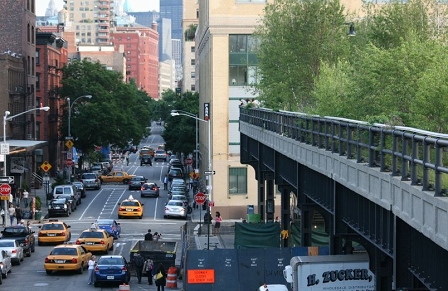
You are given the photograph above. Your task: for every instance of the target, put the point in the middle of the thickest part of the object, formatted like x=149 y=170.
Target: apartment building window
x=242 y=60
x=129 y=52
x=193 y=75
x=28 y=33
x=129 y=38
x=128 y=45
x=37 y=57
x=32 y=66
x=129 y=59
x=193 y=88
x=193 y=62
x=37 y=81
x=238 y=180
x=119 y=38
x=193 y=49
x=29 y=65
x=32 y=34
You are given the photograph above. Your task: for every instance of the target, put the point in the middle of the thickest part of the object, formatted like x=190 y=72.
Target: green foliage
x=116 y=113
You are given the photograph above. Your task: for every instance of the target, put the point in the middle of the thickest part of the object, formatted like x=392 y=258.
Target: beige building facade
x=223 y=39
x=190 y=18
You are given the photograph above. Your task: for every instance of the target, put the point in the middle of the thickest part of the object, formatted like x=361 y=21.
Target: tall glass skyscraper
x=171 y=9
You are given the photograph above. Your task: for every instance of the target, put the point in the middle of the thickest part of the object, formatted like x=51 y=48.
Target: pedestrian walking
x=2 y=213
x=26 y=196
x=18 y=196
x=91 y=269
x=160 y=277
x=165 y=182
x=148 y=267
x=127 y=160
x=18 y=214
x=12 y=213
x=139 y=262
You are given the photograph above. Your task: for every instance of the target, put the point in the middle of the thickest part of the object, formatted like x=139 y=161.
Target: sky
x=137 y=5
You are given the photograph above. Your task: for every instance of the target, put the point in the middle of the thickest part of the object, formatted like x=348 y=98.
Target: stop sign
x=188 y=161
x=200 y=198
x=5 y=189
x=69 y=162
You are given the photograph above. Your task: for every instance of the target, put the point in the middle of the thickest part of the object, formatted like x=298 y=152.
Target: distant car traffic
x=90 y=181
x=59 y=207
x=146 y=160
x=117 y=177
x=81 y=189
x=111 y=226
x=149 y=190
x=113 y=269
x=160 y=155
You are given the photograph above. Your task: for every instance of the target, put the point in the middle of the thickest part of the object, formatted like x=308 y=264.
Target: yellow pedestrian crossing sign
x=69 y=143
x=45 y=166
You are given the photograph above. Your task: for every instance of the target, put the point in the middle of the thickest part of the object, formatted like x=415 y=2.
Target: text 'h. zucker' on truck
x=334 y=272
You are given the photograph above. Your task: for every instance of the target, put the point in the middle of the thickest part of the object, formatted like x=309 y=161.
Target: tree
x=295 y=38
x=116 y=113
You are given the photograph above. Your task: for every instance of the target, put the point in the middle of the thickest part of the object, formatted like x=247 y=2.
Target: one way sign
x=7 y=179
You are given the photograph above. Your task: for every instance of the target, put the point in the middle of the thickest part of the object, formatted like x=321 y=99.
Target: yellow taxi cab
x=67 y=257
x=96 y=240
x=53 y=231
x=130 y=208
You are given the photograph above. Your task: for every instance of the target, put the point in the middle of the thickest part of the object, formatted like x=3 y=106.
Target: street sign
x=69 y=162
x=4 y=149
x=188 y=161
x=5 y=189
x=209 y=172
x=7 y=179
x=200 y=198
x=211 y=203
x=68 y=137
x=45 y=166
x=69 y=143
x=194 y=175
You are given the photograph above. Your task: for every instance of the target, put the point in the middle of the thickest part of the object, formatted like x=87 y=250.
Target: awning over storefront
x=18 y=145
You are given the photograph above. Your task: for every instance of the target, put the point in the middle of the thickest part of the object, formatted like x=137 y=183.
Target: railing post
x=438 y=174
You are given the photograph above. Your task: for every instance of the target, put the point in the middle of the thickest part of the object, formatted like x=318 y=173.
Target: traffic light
x=178 y=92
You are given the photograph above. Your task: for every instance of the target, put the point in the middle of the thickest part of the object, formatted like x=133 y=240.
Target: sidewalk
x=225 y=240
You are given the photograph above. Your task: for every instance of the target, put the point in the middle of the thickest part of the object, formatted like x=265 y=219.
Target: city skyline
x=136 y=5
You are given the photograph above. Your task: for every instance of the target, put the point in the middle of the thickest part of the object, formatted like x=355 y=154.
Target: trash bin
x=38 y=215
x=250 y=209
x=72 y=178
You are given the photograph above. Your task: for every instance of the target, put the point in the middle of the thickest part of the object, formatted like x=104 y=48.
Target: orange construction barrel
x=124 y=287
x=171 y=278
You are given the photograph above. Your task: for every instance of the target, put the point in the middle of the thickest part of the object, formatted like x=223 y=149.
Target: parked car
x=175 y=208
x=111 y=269
x=182 y=198
x=80 y=187
x=91 y=181
x=14 y=250
x=71 y=200
x=23 y=235
x=175 y=173
x=111 y=226
x=67 y=257
x=5 y=263
x=59 y=207
x=149 y=189
x=67 y=189
x=136 y=182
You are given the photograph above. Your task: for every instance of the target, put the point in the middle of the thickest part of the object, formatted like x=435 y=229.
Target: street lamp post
x=70 y=104
x=179 y=112
x=6 y=117
x=195 y=116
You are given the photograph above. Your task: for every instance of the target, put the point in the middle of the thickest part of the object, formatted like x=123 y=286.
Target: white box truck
x=327 y=273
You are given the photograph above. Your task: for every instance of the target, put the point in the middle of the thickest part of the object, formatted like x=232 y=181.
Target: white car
x=14 y=250
x=182 y=198
x=5 y=263
x=175 y=208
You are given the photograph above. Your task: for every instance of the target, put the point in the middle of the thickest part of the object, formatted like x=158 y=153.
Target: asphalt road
x=30 y=275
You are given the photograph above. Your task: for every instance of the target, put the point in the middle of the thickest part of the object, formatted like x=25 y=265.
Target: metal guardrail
x=414 y=154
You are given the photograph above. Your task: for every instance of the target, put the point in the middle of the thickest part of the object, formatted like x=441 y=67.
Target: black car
x=136 y=182
x=59 y=207
x=146 y=159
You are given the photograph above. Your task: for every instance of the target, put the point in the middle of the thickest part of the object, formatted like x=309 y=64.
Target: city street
x=30 y=275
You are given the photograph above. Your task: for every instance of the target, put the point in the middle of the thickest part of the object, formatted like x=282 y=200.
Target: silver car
x=175 y=208
x=14 y=250
x=91 y=181
x=182 y=198
x=6 y=265
x=160 y=155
